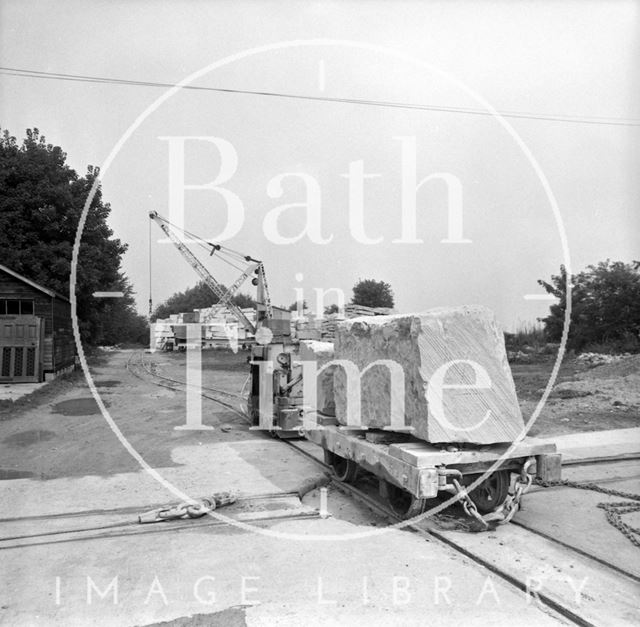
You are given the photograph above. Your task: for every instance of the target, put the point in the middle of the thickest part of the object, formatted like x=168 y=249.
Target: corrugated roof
x=37 y=286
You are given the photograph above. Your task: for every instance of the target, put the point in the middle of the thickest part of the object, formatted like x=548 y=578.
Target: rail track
x=551 y=549
x=212 y=394
x=138 y=367
x=129 y=527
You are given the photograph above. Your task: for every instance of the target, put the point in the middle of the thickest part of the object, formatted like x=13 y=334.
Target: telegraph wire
x=595 y=120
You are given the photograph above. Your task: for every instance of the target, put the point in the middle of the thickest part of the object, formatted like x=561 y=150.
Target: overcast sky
x=575 y=59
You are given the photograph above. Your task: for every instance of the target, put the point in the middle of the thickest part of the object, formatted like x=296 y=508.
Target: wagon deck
x=418 y=471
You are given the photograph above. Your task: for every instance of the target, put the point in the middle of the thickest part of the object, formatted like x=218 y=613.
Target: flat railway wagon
x=414 y=475
x=488 y=480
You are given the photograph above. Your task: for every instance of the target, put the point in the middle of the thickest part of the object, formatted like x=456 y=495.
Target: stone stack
x=330 y=326
x=307 y=329
x=451 y=380
x=355 y=311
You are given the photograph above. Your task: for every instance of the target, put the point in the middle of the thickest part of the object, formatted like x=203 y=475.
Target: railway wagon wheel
x=491 y=492
x=345 y=469
x=402 y=503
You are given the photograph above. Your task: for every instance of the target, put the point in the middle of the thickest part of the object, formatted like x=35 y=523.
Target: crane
x=225 y=295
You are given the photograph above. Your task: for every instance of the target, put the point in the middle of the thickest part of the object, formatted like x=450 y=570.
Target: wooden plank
x=47 y=354
x=420 y=455
x=64 y=342
x=423 y=454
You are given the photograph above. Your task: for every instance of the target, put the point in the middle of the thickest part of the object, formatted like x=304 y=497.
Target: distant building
x=36 y=337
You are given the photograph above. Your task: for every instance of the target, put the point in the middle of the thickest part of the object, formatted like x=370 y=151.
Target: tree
x=41 y=201
x=370 y=293
x=119 y=323
x=605 y=306
x=199 y=296
x=294 y=306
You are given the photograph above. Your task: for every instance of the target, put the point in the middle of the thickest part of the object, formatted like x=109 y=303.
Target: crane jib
x=224 y=295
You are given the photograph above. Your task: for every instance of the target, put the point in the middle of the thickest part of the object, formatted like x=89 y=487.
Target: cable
x=596 y=120
x=230 y=263
x=204 y=243
x=150 y=275
x=221 y=250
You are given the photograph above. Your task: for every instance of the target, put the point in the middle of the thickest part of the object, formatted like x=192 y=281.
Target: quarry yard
x=319 y=313
x=58 y=431
x=584 y=398
x=70 y=489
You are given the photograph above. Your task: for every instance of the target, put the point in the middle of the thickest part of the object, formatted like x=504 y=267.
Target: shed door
x=20 y=348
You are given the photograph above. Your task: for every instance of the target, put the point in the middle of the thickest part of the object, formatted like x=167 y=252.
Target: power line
x=600 y=120
x=150 y=275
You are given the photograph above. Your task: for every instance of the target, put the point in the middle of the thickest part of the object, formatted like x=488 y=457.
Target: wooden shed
x=36 y=337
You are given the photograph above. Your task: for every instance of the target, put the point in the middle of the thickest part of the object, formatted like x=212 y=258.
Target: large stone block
x=321 y=353
x=444 y=373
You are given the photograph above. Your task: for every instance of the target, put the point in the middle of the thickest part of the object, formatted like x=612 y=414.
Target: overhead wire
x=150 y=274
x=597 y=120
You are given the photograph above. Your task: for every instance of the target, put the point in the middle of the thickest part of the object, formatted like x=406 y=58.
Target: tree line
x=605 y=307
x=41 y=201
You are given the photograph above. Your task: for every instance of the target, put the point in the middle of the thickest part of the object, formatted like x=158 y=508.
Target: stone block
x=321 y=353
x=442 y=373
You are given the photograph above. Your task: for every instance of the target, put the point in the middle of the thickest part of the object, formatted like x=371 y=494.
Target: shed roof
x=33 y=284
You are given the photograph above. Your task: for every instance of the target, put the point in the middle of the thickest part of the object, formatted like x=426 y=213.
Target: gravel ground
x=584 y=398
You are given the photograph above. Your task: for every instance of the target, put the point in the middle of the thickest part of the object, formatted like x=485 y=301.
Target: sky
x=571 y=59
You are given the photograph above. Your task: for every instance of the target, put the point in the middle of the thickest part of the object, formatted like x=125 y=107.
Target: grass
x=528 y=336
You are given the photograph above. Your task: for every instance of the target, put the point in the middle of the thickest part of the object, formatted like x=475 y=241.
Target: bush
x=605 y=309
x=528 y=335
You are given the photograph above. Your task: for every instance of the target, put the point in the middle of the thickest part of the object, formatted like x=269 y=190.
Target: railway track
x=380 y=507
x=242 y=510
x=459 y=542
x=533 y=548
x=212 y=394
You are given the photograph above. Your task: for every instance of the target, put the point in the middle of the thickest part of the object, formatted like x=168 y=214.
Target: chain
x=468 y=505
x=188 y=509
x=613 y=511
x=503 y=514
x=509 y=507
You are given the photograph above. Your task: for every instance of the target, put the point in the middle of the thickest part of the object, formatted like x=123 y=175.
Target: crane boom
x=263 y=291
x=226 y=300
x=217 y=288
